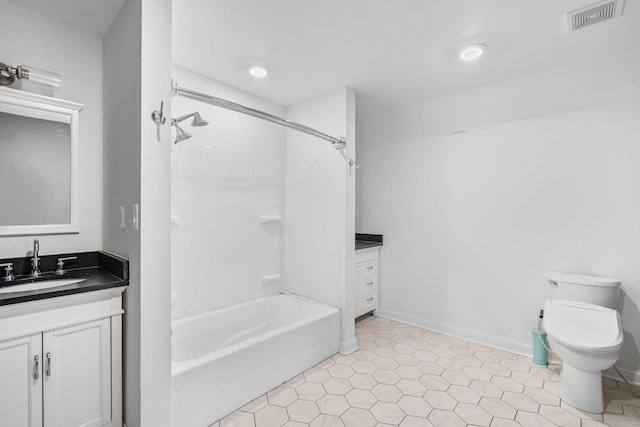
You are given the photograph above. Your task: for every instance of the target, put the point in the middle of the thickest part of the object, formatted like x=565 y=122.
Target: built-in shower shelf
x=269 y=279
x=175 y=220
x=270 y=218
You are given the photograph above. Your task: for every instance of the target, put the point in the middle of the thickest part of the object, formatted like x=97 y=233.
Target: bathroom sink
x=41 y=284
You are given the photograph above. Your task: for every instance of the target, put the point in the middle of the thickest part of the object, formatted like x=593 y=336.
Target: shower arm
x=337 y=143
x=182 y=118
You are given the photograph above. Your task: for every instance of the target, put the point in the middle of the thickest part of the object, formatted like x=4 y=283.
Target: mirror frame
x=45 y=106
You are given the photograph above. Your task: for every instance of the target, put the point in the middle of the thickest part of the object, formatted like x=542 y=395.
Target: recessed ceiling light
x=257 y=71
x=472 y=52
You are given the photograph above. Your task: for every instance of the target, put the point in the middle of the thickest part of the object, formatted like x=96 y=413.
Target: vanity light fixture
x=258 y=71
x=472 y=52
x=48 y=81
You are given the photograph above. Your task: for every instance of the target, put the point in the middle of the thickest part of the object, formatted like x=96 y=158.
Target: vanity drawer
x=371 y=268
x=370 y=284
x=365 y=255
x=370 y=301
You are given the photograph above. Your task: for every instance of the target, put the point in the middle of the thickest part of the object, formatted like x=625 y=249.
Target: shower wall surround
x=319 y=249
x=227 y=202
x=314 y=202
x=258 y=208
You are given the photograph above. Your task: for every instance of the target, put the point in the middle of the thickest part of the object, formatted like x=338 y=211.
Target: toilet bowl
x=588 y=339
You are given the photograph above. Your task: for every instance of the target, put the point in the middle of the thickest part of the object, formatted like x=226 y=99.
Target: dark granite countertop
x=366 y=241
x=108 y=271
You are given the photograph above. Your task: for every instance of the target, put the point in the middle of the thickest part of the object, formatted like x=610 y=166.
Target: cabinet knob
x=369 y=299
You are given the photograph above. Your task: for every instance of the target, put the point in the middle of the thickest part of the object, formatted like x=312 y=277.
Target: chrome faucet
x=35 y=261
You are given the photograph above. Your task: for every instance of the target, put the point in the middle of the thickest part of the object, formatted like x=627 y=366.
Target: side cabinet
x=366 y=281
x=60 y=362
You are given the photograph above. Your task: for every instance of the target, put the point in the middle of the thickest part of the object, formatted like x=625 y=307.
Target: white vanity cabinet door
x=21 y=382
x=77 y=375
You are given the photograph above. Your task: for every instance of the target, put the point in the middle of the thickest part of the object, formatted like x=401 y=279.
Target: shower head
x=181 y=135
x=197 y=119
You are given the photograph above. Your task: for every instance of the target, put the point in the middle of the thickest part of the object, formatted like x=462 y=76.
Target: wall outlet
x=136 y=216
x=123 y=222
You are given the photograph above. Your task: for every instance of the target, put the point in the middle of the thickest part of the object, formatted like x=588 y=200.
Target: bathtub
x=224 y=359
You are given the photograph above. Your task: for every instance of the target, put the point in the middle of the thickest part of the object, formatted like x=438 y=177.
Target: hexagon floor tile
x=404 y=375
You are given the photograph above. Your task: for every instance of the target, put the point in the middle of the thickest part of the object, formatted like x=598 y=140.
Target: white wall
x=224 y=178
x=319 y=219
x=548 y=180
x=122 y=181
x=155 y=213
x=137 y=66
x=40 y=41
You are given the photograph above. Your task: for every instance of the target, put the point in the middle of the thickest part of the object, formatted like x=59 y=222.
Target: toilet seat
x=581 y=326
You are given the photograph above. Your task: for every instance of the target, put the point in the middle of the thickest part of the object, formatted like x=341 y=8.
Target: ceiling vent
x=593 y=14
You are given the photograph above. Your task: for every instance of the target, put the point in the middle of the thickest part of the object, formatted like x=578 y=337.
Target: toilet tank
x=601 y=291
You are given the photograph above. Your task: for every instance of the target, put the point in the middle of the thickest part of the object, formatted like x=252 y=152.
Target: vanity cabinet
x=60 y=361
x=366 y=281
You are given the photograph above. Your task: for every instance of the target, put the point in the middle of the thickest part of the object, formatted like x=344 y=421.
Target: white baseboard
x=519 y=347
x=467 y=334
x=349 y=346
x=631 y=375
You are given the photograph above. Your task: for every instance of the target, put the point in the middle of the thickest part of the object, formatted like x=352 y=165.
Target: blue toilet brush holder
x=539 y=352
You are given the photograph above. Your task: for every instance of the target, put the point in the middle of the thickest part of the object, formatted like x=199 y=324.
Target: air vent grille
x=594 y=14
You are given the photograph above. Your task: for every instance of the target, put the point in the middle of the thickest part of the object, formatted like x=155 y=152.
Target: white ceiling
x=94 y=16
x=390 y=52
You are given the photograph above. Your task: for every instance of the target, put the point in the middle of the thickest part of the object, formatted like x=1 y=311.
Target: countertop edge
x=360 y=245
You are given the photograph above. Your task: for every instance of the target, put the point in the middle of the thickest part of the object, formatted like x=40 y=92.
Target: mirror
x=38 y=164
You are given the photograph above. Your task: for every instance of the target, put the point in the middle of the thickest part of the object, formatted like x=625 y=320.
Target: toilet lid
x=583 y=326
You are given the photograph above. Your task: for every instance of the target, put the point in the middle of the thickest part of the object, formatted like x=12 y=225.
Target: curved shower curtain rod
x=337 y=143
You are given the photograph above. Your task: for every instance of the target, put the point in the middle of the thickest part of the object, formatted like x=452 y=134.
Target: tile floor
x=408 y=376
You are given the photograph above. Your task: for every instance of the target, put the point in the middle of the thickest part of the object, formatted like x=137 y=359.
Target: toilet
x=584 y=330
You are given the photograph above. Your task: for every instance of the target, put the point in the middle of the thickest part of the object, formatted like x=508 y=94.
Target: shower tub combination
x=226 y=358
